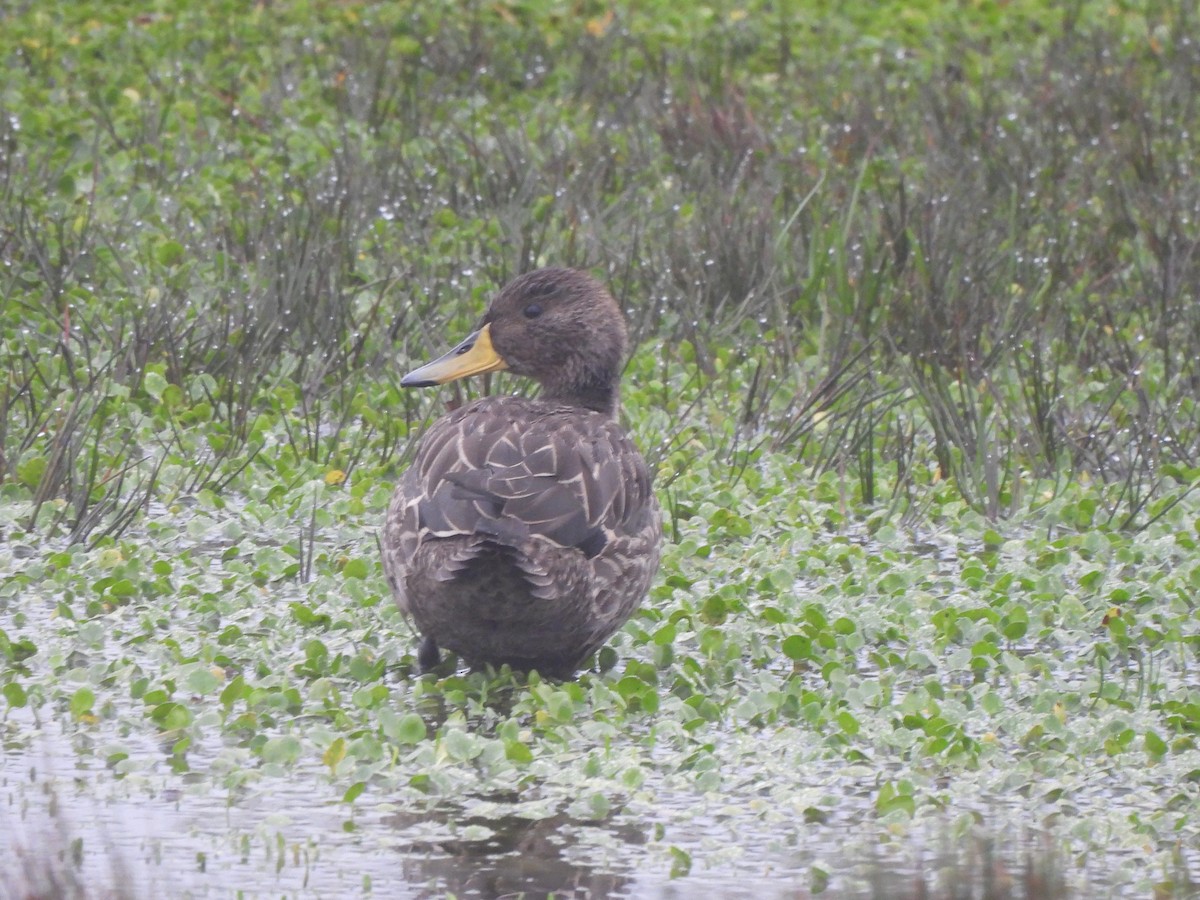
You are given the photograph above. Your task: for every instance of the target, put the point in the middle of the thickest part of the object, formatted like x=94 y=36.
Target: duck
x=526 y=530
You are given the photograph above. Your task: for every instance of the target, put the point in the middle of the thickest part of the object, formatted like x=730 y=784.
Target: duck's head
x=560 y=327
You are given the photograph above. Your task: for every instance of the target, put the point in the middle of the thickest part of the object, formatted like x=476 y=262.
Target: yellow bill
x=474 y=356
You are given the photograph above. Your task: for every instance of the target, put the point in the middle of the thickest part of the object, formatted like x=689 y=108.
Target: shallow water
x=157 y=834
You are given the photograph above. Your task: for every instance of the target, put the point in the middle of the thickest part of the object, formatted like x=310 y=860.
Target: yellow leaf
x=335 y=754
x=597 y=27
x=335 y=476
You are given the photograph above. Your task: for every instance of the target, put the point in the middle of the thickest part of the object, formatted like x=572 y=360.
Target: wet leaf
x=14 y=695
x=82 y=701
x=334 y=754
x=410 y=729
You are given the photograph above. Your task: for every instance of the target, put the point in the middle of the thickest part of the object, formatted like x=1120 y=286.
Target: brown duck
x=526 y=531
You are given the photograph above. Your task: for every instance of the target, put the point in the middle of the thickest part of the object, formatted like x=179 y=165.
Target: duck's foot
x=427 y=654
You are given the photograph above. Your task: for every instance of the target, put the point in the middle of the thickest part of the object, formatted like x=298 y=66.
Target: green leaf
x=168 y=253
x=234 y=691
x=82 y=702
x=170 y=716
x=364 y=668
x=599 y=806
x=154 y=384
x=460 y=745
x=797 y=647
x=1015 y=623
x=1155 y=745
x=307 y=617
x=122 y=588
x=714 y=611
x=410 y=729
x=201 y=681
x=14 y=695
x=516 y=751
x=284 y=750
x=892 y=798
x=30 y=470
x=681 y=862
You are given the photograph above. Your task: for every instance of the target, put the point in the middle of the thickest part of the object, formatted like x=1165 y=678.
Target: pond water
x=159 y=835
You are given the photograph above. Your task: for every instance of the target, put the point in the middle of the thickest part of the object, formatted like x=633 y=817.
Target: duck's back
x=524 y=533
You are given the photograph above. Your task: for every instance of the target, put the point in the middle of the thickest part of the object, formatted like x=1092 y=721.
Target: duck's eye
x=533 y=310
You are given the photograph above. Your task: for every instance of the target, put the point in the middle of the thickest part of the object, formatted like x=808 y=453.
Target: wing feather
x=515 y=470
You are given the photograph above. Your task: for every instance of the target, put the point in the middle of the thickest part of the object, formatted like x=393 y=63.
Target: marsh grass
x=1005 y=247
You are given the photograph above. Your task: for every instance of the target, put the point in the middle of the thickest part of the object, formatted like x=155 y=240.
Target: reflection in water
x=448 y=852
x=47 y=863
x=514 y=856
x=511 y=855
x=979 y=867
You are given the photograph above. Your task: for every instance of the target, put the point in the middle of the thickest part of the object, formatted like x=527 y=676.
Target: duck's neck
x=599 y=393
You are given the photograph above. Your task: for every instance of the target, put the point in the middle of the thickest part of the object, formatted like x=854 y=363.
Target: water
x=156 y=834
